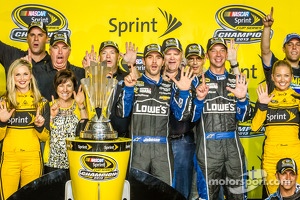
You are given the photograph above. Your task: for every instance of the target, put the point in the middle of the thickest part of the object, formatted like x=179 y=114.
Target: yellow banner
x=143 y=22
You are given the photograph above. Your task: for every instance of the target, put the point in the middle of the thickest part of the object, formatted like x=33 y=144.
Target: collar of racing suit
x=213 y=76
x=150 y=81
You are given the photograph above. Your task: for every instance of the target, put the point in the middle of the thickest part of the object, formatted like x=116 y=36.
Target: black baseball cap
x=60 y=37
x=108 y=43
x=152 y=48
x=171 y=43
x=194 y=50
x=215 y=40
x=38 y=24
x=286 y=164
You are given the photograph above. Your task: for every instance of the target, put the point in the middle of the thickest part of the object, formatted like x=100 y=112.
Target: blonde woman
x=279 y=112
x=24 y=121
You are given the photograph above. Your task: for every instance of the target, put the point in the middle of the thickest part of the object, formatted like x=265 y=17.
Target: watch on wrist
x=234 y=66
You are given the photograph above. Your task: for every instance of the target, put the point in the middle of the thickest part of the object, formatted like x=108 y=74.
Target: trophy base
x=98 y=136
x=98 y=130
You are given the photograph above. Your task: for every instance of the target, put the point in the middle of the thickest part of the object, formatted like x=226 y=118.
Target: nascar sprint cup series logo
x=23 y=15
x=239 y=22
x=98 y=167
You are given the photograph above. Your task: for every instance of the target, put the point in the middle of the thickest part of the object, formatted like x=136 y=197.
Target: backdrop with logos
x=144 y=22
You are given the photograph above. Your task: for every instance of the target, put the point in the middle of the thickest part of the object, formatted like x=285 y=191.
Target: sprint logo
x=138 y=26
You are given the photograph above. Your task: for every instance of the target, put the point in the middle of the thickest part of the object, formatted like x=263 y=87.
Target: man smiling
x=286 y=174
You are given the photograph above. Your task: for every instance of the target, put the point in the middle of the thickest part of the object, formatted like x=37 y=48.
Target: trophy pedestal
x=98 y=167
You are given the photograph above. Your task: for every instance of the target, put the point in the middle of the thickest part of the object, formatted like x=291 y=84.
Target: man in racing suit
x=148 y=99
x=221 y=101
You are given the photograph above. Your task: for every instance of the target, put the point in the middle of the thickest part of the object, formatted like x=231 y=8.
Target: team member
x=221 y=102
x=195 y=56
x=36 y=39
x=181 y=133
x=279 y=111
x=109 y=52
x=60 y=50
x=24 y=120
x=286 y=174
x=148 y=100
x=65 y=113
x=291 y=49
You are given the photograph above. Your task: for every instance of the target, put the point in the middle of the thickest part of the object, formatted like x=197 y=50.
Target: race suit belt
x=150 y=139
x=219 y=135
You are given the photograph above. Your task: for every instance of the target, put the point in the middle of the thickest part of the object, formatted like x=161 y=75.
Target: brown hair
x=63 y=76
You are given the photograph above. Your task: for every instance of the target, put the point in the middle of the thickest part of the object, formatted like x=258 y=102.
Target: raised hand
x=39 y=119
x=185 y=80
x=79 y=97
x=131 y=53
x=4 y=113
x=202 y=89
x=28 y=57
x=263 y=95
x=241 y=87
x=90 y=57
x=268 y=19
x=232 y=51
x=131 y=79
x=54 y=108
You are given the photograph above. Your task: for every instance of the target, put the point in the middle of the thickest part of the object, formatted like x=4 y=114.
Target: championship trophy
x=98 y=159
x=99 y=87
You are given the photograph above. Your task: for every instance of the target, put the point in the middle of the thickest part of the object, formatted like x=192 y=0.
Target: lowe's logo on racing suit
x=219 y=104
x=151 y=107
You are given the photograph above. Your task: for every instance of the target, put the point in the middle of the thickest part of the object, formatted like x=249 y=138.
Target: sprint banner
x=144 y=22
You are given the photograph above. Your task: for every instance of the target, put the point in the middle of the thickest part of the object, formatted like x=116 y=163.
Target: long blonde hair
x=11 y=89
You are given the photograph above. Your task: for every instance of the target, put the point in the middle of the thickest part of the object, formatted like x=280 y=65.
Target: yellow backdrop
x=143 y=22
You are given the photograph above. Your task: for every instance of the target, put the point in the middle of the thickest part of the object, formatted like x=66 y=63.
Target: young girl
x=24 y=121
x=65 y=113
x=279 y=112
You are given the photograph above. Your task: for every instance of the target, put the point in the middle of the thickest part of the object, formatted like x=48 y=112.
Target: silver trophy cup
x=99 y=87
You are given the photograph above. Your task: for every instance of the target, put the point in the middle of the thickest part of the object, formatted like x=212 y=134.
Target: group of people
x=182 y=119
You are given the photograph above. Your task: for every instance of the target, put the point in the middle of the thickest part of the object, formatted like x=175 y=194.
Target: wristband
x=234 y=66
x=242 y=98
x=81 y=108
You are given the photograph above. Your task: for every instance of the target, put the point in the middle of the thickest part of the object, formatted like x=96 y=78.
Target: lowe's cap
x=171 y=43
x=152 y=48
x=38 y=24
x=194 y=50
x=286 y=164
x=108 y=44
x=216 y=40
x=60 y=37
x=290 y=36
